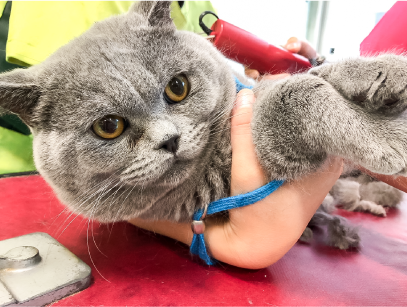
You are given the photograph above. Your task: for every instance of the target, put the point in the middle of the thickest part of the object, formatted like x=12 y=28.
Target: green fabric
x=2 y=5
x=4 y=26
x=191 y=11
x=13 y=122
x=188 y=17
x=15 y=151
x=9 y=121
x=15 y=146
x=38 y=28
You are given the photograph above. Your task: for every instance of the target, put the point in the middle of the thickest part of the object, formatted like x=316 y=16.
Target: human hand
x=247 y=174
x=258 y=235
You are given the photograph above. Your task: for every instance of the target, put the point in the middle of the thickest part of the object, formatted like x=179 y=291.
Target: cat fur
x=353 y=109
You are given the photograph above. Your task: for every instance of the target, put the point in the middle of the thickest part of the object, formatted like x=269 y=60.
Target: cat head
x=124 y=114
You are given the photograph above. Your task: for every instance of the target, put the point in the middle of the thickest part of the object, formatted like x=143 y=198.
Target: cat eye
x=177 y=89
x=109 y=126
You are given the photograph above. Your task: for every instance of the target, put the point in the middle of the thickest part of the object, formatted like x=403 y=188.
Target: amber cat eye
x=177 y=89
x=109 y=126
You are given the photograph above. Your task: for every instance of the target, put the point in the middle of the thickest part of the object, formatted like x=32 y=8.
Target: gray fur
x=340 y=233
x=299 y=121
x=122 y=65
x=364 y=193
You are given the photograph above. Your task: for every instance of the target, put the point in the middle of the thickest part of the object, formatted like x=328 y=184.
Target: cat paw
x=328 y=204
x=382 y=194
x=403 y=172
x=341 y=235
x=391 y=160
x=376 y=84
x=369 y=206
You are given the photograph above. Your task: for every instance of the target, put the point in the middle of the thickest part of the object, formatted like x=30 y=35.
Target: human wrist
x=247 y=241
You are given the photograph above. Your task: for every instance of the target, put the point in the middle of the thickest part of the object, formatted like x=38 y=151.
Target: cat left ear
x=19 y=94
x=158 y=13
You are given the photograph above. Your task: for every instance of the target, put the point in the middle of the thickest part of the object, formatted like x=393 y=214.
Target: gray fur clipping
x=340 y=233
x=363 y=193
x=121 y=67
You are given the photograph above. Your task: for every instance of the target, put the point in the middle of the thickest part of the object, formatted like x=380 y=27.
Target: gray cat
x=132 y=119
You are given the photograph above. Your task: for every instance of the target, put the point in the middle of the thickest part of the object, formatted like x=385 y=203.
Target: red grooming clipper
x=249 y=50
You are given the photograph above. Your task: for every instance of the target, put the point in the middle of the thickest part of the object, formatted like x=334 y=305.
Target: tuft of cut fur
x=364 y=193
x=340 y=233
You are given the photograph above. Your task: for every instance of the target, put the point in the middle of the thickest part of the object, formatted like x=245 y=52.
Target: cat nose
x=171 y=144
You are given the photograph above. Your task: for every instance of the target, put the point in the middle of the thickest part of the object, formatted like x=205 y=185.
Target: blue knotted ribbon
x=198 y=243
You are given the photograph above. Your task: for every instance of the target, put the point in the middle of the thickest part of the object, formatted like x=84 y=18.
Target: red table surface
x=148 y=269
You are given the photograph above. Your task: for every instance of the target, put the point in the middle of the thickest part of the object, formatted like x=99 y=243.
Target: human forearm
x=258 y=235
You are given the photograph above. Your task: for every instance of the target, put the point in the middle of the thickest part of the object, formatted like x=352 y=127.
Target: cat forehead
x=145 y=54
x=125 y=73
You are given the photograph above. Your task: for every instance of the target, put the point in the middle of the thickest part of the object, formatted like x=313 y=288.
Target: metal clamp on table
x=36 y=270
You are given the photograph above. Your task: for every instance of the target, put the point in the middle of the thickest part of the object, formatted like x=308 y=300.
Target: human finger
x=303 y=48
x=275 y=77
x=251 y=73
x=247 y=174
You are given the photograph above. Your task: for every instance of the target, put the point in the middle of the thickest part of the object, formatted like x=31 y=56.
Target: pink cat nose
x=171 y=144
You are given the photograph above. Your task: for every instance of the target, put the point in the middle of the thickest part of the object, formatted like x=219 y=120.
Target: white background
x=348 y=22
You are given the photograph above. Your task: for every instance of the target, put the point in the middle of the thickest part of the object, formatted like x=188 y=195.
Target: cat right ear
x=19 y=93
x=157 y=13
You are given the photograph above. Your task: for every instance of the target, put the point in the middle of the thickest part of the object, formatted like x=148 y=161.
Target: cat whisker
x=212 y=133
x=102 y=193
x=56 y=217
x=94 y=241
x=114 y=194
x=90 y=255
x=74 y=213
x=68 y=224
x=99 y=184
x=84 y=193
x=131 y=190
x=110 y=231
x=117 y=198
x=220 y=114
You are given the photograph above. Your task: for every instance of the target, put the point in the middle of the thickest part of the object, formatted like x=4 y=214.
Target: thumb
x=303 y=48
x=293 y=45
x=247 y=174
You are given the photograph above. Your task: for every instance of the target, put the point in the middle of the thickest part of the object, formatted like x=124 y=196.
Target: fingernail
x=296 y=45
x=244 y=99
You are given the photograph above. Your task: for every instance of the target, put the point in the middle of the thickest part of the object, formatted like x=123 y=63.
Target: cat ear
x=158 y=13
x=18 y=93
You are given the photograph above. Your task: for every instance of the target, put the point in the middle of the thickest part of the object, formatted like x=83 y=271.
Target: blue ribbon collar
x=198 y=243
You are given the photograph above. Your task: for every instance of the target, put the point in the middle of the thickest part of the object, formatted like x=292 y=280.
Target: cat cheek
x=190 y=147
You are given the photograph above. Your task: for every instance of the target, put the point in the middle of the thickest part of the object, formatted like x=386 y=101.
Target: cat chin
x=109 y=216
